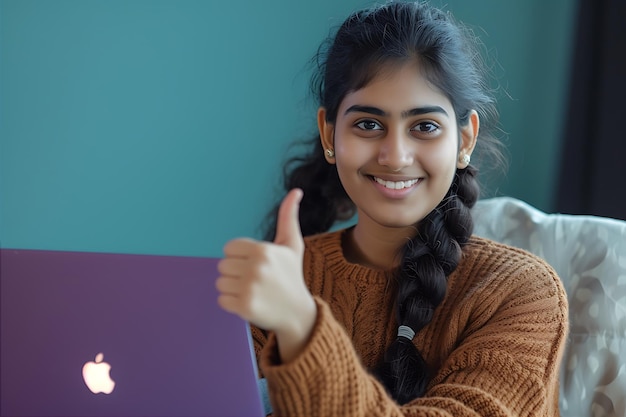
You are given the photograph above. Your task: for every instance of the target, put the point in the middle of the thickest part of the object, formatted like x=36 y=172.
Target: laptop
x=97 y=334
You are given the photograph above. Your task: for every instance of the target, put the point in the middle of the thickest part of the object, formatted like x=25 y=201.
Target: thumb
x=288 y=225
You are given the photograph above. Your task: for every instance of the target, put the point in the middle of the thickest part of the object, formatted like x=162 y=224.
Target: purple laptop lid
x=171 y=350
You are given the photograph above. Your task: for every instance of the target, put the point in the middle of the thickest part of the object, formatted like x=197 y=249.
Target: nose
x=395 y=151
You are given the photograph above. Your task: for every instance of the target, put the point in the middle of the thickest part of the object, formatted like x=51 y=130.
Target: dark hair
x=395 y=33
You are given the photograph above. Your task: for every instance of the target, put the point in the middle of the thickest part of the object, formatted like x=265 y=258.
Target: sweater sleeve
x=326 y=379
x=487 y=374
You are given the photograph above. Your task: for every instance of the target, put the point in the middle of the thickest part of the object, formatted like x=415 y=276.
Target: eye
x=369 y=125
x=426 y=127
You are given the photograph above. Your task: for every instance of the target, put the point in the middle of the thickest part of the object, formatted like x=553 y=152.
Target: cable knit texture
x=495 y=342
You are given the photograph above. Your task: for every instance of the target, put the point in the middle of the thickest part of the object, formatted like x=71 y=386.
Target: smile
x=396 y=185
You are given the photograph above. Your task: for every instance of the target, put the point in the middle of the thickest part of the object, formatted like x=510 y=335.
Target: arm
x=506 y=366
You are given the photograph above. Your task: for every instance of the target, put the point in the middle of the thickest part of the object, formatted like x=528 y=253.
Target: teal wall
x=152 y=126
x=532 y=43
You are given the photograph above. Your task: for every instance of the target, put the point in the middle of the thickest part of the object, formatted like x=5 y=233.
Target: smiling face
x=397 y=147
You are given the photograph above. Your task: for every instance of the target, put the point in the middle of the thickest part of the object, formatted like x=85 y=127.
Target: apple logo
x=96 y=376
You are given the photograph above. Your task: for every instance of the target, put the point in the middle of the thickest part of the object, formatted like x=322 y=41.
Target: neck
x=376 y=246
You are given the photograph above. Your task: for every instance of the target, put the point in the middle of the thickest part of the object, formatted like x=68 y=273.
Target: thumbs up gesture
x=262 y=282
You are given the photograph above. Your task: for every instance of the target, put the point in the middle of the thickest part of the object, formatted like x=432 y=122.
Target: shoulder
x=321 y=252
x=323 y=258
x=323 y=239
x=323 y=246
x=486 y=253
x=486 y=263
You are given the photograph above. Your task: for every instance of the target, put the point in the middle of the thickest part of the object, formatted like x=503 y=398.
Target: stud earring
x=330 y=153
x=465 y=159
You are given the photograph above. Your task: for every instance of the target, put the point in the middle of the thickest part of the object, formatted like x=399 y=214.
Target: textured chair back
x=589 y=254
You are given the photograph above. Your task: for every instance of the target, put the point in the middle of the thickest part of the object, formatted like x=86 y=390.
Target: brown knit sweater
x=495 y=342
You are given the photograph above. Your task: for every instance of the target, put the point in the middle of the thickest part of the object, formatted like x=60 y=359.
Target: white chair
x=589 y=254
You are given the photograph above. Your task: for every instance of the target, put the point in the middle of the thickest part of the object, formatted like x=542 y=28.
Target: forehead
x=396 y=88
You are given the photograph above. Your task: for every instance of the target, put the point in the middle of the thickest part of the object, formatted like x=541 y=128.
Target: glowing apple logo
x=96 y=376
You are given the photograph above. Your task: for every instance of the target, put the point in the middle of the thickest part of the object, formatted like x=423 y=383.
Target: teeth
x=395 y=185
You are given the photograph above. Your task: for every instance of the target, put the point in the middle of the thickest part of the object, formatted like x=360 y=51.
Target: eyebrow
x=408 y=113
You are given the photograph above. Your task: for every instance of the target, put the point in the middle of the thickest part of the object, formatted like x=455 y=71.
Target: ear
x=469 y=133
x=327 y=133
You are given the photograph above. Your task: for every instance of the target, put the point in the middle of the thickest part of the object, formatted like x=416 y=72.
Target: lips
x=396 y=185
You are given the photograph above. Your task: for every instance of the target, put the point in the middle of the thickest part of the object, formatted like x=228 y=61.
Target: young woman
x=404 y=313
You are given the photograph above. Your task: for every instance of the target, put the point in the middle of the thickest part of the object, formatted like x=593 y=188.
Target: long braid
x=429 y=258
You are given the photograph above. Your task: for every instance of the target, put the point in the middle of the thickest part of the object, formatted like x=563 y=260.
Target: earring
x=330 y=153
x=465 y=159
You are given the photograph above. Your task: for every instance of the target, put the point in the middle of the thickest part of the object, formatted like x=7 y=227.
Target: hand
x=263 y=283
